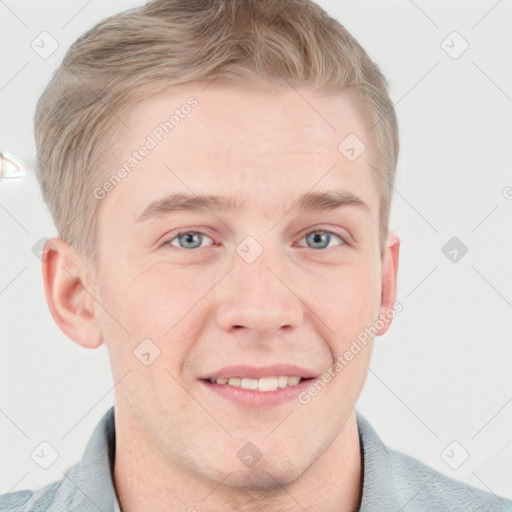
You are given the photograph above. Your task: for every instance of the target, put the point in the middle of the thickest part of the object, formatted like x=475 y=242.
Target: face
x=258 y=285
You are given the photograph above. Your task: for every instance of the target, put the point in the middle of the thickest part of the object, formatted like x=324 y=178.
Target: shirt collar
x=96 y=469
x=378 y=476
x=97 y=466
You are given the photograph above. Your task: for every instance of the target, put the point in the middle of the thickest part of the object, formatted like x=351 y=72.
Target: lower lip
x=255 y=398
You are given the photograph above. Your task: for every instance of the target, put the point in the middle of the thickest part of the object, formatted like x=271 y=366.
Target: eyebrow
x=310 y=201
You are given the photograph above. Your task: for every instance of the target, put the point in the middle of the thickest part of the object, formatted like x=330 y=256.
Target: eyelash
x=168 y=242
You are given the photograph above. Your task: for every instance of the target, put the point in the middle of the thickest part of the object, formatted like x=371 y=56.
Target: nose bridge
x=256 y=294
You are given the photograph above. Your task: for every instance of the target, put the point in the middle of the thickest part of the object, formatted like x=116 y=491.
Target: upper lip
x=254 y=372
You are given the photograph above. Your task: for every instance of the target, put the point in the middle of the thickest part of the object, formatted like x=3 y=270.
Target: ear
x=66 y=275
x=388 y=285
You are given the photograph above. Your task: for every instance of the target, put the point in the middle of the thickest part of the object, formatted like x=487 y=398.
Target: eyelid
x=343 y=233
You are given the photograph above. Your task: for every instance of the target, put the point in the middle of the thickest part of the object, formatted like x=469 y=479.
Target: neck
x=146 y=480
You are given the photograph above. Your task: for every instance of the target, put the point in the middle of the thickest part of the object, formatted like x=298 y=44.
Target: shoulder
x=15 y=501
x=63 y=495
x=396 y=481
x=424 y=488
x=86 y=483
x=27 y=500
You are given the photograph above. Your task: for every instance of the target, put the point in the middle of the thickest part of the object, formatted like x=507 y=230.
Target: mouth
x=264 y=384
x=250 y=386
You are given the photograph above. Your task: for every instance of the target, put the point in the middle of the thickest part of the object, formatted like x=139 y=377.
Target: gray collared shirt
x=392 y=482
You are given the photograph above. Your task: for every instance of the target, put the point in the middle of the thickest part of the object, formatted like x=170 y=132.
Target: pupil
x=189 y=238
x=319 y=237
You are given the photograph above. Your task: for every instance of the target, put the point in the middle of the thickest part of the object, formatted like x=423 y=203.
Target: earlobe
x=70 y=301
x=389 y=279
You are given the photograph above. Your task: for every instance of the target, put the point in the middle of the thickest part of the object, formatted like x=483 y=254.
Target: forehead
x=257 y=109
x=212 y=138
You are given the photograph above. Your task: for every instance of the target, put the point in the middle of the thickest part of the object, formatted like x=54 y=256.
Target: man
x=220 y=174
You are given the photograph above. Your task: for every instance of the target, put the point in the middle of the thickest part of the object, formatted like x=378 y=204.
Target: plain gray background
x=440 y=385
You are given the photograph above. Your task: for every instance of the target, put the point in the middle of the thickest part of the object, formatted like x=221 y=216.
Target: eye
x=187 y=240
x=318 y=239
x=192 y=239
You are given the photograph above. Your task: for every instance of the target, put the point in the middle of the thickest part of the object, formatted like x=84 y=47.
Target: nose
x=259 y=297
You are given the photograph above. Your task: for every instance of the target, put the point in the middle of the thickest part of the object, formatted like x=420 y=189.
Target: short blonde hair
x=142 y=51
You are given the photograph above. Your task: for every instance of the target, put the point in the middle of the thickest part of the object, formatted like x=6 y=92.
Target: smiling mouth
x=262 y=384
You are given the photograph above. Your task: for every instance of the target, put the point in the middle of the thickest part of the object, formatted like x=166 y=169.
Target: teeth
x=267 y=384
x=249 y=383
x=282 y=382
x=262 y=384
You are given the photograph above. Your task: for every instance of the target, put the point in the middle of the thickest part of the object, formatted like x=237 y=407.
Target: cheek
x=349 y=299
x=154 y=298
x=351 y=309
x=155 y=304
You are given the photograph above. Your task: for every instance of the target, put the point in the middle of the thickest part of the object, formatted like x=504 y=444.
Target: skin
x=300 y=301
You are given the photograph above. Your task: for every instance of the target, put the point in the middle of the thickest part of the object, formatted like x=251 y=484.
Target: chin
x=265 y=475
